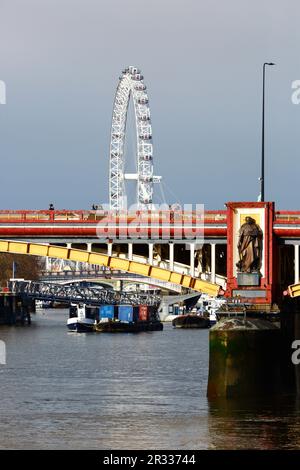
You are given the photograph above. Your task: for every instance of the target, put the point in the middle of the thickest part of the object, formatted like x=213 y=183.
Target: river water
x=62 y=390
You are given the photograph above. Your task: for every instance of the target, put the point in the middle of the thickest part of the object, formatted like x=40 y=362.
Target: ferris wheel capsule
x=146 y=136
x=143 y=100
x=133 y=70
x=144 y=117
x=140 y=86
x=137 y=77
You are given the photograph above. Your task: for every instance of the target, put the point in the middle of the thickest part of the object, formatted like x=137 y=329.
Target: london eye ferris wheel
x=131 y=85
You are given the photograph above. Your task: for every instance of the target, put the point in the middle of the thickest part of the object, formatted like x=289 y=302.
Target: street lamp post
x=262 y=178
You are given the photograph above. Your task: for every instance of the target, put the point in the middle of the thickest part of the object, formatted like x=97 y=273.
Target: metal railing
x=120 y=217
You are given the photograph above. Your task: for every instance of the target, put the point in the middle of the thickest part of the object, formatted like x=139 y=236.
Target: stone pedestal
x=248 y=279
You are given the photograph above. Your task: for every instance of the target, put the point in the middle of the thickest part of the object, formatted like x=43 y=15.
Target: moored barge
x=114 y=319
x=191 y=320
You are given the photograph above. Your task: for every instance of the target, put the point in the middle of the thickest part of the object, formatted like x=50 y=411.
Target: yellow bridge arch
x=73 y=254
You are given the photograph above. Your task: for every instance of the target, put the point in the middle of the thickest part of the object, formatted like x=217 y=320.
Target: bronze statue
x=250 y=246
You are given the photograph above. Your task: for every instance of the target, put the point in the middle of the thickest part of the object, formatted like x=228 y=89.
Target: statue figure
x=202 y=259
x=160 y=254
x=250 y=246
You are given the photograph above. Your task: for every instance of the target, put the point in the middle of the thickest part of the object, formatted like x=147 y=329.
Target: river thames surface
x=62 y=390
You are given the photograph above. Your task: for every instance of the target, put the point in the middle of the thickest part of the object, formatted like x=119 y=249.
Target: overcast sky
x=202 y=63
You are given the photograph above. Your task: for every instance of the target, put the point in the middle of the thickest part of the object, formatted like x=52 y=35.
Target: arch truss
x=131 y=84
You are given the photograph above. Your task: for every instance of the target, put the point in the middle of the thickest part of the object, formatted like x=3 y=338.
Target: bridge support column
x=171 y=256
x=192 y=259
x=69 y=246
x=150 y=261
x=109 y=249
x=130 y=251
x=244 y=358
x=48 y=264
x=296 y=263
x=213 y=262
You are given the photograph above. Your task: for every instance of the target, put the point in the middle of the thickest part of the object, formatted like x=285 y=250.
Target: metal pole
x=213 y=262
x=262 y=178
x=296 y=262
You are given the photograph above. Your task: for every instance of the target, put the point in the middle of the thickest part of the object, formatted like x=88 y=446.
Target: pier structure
x=15 y=308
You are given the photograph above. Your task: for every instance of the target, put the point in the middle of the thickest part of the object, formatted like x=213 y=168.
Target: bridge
x=189 y=248
x=163 y=241
x=78 y=293
x=164 y=238
x=109 y=278
x=94 y=258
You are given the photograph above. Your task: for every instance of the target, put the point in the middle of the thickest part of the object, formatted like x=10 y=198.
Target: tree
x=27 y=267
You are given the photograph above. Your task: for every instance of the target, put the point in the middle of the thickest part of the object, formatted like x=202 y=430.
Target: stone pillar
x=244 y=359
x=130 y=251
x=296 y=263
x=171 y=256
x=213 y=262
x=192 y=259
x=150 y=259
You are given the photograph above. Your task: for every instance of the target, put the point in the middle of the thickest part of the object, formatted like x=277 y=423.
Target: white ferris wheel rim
x=131 y=84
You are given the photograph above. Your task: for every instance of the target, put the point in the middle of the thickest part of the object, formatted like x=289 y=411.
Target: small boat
x=212 y=317
x=209 y=306
x=42 y=304
x=81 y=318
x=191 y=320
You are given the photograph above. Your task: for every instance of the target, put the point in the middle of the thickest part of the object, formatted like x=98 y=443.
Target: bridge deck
x=168 y=225
x=143 y=269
